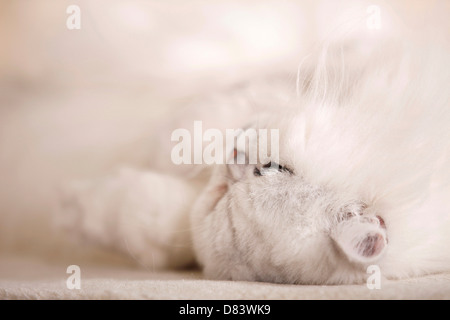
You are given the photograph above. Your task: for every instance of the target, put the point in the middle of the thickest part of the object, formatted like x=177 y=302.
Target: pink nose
x=382 y=223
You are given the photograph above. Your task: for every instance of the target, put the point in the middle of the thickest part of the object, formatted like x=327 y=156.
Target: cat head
x=277 y=220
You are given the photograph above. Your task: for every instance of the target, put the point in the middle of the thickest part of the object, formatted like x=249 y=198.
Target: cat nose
x=381 y=221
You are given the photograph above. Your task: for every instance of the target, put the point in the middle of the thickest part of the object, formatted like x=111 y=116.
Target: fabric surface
x=33 y=278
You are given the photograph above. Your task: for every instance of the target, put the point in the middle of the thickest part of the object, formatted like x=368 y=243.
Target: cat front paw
x=362 y=239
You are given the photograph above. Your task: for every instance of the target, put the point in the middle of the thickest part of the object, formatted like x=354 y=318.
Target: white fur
x=125 y=211
x=367 y=137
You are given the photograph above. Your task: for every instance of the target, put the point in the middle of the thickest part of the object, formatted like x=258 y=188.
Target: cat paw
x=81 y=213
x=361 y=238
x=70 y=210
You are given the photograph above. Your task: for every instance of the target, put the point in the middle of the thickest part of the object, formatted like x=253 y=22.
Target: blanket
x=27 y=277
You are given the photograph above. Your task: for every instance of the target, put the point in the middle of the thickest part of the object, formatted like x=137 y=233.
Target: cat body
x=362 y=178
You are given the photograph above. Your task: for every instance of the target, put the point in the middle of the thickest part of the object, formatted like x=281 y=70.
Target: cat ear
x=361 y=239
x=244 y=152
x=237 y=163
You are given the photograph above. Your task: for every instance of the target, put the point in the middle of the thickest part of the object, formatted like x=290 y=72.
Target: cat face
x=270 y=222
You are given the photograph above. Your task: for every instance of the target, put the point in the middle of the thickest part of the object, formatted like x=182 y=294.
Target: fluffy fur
x=366 y=141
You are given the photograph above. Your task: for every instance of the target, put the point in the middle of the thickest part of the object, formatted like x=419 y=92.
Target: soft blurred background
x=78 y=103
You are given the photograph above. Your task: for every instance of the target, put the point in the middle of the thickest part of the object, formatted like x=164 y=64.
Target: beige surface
x=32 y=278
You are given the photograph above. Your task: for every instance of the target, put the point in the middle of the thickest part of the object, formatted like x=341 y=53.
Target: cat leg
x=141 y=213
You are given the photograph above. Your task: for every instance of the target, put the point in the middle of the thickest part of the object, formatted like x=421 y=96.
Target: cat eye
x=271 y=167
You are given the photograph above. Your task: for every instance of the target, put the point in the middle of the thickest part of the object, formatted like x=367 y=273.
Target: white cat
x=363 y=178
